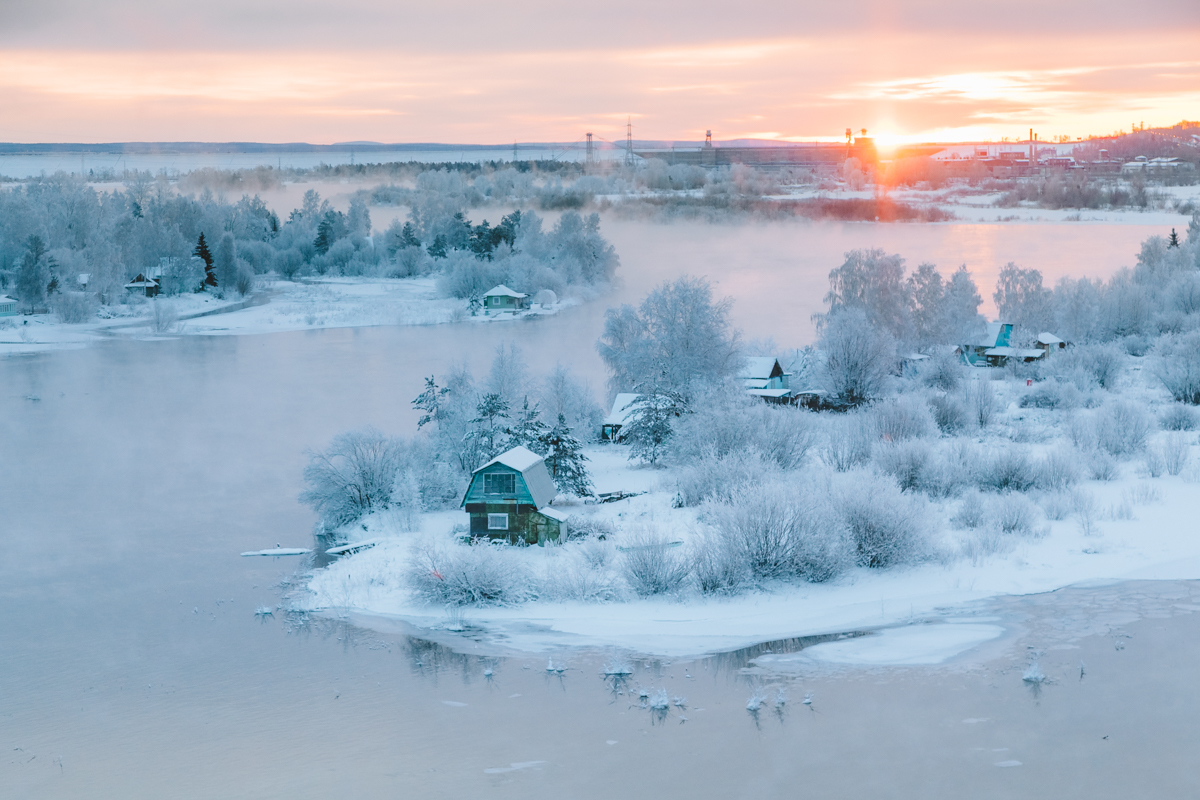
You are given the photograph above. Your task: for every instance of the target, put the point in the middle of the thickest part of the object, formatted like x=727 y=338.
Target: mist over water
x=133 y=473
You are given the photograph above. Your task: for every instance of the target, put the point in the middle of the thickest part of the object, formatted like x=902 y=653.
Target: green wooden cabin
x=503 y=298
x=509 y=498
x=8 y=306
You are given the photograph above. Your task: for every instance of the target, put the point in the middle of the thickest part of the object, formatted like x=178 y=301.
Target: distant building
x=996 y=335
x=509 y=498
x=1050 y=343
x=622 y=411
x=765 y=378
x=503 y=298
x=8 y=306
x=142 y=284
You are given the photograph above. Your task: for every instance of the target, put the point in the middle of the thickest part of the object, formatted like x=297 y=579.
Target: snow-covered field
x=1128 y=526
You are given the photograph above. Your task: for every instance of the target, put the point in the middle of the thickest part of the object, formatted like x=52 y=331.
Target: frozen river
x=133 y=665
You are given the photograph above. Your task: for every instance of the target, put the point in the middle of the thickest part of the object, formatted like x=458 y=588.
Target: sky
x=466 y=71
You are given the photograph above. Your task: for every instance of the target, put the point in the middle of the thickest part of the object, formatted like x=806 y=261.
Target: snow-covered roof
x=533 y=470
x=553 y=513
x=759 y=367
x=769 y=392
x=622 y=409
x=1014 y=352
x=1049 y=338
x=503 y=291
x=756 y=383
x=83 y=277
x=6 y=299
x=991 y=334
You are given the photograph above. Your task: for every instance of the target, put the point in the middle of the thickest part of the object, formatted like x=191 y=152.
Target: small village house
x=996 y=335
x=142 y=284
x=509 y=498
x=8 y=306
x=1050 y=343
x=503 y=298
x=765 y=378
x=622 y=411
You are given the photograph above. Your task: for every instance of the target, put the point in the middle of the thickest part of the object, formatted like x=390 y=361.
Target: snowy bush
x=971 y=512
x=1058 y=470
x=1177 y=365
x=858 y=357
x=1053 y=394
x=907 y=462
x=581 y=526
x=578 y=578
x=1013 y=515
x=1122 y=428
x=1057 y=505
x=901 y=418
x=716 y=477
x=1178 y=418
x=949 y=413
x=944 y=371
x=885 y=526
x=164 y=318
x=741 y=425
x=651 y=565
x=776 y=531
x=468 y=574
x=980 y=402
x=1175 y=453
x=718 y=567
x=1008 y=469
x=1101 y=466
x=849 y=440
x=73 y=307
x=354 y=477
x=1104 y=363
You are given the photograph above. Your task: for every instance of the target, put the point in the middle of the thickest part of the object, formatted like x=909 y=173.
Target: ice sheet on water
x=909 y=645
x=513 y=767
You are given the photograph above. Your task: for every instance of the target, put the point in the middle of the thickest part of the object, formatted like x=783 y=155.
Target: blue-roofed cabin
x=8 y=306
x=509 y=498
x=996 y=336
x=765 y=378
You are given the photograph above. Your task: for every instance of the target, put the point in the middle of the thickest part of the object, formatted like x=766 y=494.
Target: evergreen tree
x=204 y=254
x=430 y=401
x=408 y=236
x=225 y=266
x=1173 y=241
x=565 y=460
x=528 y=431
x=487 y=432
x=649 y=427
x=439 y=247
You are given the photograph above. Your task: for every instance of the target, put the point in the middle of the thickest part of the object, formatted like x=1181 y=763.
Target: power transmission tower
x=591 y=154
x=629 y=141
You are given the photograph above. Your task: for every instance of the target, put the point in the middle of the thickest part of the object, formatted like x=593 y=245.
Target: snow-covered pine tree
x=204 y=254
x=565 y=460
x=486 y=431
x=1173 y=241
x=429 y=401
x=649 y=427
x=528 y=431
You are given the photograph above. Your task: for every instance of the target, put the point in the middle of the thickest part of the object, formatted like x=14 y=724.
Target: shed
x=509 y=498
x=622 y=411
x=997 y=334
x=764 y=377
x=142 y=284
x=999 y=356
x=503 y=298
x=1048 y=342
x=8 y=306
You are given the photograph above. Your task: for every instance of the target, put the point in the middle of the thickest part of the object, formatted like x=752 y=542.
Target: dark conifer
x=204 y=254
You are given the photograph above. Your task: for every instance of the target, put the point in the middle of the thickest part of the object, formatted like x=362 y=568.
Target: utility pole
x=591 y=156
x=629 y=141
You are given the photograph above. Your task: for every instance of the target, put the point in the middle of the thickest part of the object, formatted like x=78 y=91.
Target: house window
x=500 y=483
x=497 y=522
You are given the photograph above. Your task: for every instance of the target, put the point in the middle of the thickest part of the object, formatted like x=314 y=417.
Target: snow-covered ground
x=1131 y=527
x=275 y=306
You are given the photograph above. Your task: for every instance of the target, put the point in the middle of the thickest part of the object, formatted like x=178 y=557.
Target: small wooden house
x=509 y=498
x=763 y=377
x=996 y=335
x=8 y=306
x=503 y=298
x=142 y=284
x=622 y=409
x=1050 y=343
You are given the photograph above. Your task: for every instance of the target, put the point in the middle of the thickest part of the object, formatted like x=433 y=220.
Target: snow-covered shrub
x=468 y=574
x=886 y=527
x=849 y=440
x=1101 y=466
x=971 y=512
x=1058 y=470
x=73 y=307
x=980 y=401
x=718 y=566
x=949 y=412
x=1053 y=394
x=1013 y=515
x=984 y=541
x=164 y=318
x=1142 y=494
x=1085 y=512
x=944 y=371
x=1153 y=461
x=1177 y=418
x=1104 y=363
x=907 y=462
x=777 y=531
x=354 y=477
x=1008 y=469
x=1122 y=428
x=901 y=418
x=716 y=477
x=590 y=527
x=1175 y=452
x=598 y=553
x=652 y=565
x=1177 y=365
x=739 y=425
x=859 y=356
x=1057 y=505
x=575 y=578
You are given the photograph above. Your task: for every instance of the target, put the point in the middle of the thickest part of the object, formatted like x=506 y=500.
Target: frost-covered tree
x=562 y=394
x=565 y=460
x=872 y=281
x=429 y=401
x=928 y=293
x=678 y=337
x=225 y=266
x=651 y=423
x=1022 y=300
x=487 y=430
x=33 y=275
x=527 y=430
x=960 y=308
x=353 y=477
x=857 y=357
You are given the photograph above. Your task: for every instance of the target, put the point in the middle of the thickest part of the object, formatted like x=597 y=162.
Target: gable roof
x=503 y=291
x=533 y=470
x=622 y=409
x=6 y=299
x=993 y=334
x=762 y=368
x=1049 y=338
